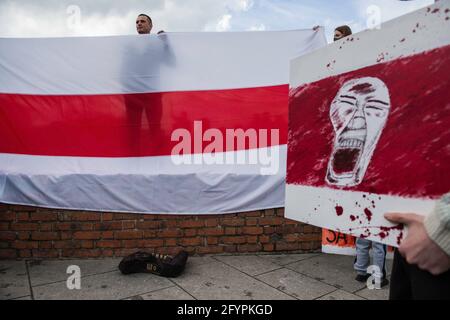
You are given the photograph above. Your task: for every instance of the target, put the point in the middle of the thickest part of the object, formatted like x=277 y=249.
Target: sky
x=63 y=18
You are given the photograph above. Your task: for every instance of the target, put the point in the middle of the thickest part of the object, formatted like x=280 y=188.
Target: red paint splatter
x=380 y=57
x=447 y=10
x=403 y=40
x=328 y=65
x=435 y=10
x=428 y=9
x=339 y=210
x=400 y=238
x=352 y=217
x=368 y=214
x=447 y=18
x=414 y=31
x=364 y=196
x=417 y=25
x=382 y=235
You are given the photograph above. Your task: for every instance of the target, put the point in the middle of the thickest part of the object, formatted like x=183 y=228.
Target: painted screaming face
x=358 y=113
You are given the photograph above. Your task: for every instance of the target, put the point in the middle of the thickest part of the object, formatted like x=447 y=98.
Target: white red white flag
x=174 y=123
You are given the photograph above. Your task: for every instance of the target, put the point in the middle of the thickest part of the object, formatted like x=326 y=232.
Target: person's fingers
x=405 y=218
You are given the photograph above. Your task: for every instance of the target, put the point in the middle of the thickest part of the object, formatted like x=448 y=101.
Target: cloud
x=224 y=23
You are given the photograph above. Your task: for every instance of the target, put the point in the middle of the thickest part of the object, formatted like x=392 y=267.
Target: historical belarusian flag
x=174 y=123
x=369 y=127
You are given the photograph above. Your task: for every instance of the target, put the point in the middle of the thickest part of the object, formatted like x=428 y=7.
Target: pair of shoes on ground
x=162 y=265
x=365 y=277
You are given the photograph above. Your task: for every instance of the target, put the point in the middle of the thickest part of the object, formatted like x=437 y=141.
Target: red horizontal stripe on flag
x=130 y=125
x=412 y=157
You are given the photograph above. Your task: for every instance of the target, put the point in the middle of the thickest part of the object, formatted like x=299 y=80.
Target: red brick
x=153 y=243
x=230 y=231
x=211 y=231
x=46 y=227
x=211 y=222
x=291 y=237
x=87 y=244
x=107 y=235
x=25 y=253
x=251 y=214
x=233 y=240
x=23 y=235
x=229 y=248
x=251 y=239
x=107 y=216
x=63 y=244
x=268 y=247
x=23 y=216
x=191 y=224
x=282 y=246
x=251 y=221
x=43 y=216
x=149 y=234
x=87 y=253
x=280 y=212
x=109 y=225
x=309 y=237
x=109 y=244
x=87 y=235
x=85 y=216
x=7 y=235
x=7 y=216
x=264 y=239
x=123 y=252
x=66 y=235
x=190 y=232
x=127 y=225
x=25 y=226
x=249 y=248
x=4 y=226
x=269 y=230
x=252 y=230
x=45 y=253
x=170 y=224
x=8 y=253
x=170 y=233
x=190 y=241
x=269 y=212
x=149 y=225
x=210 y=249
x=270 y=221
x=107 y=253
x=120 y=235
x=170 y=242
x=232 y=222
x=45 y=244
x=212 y=240
x=26 y=244
x=133 y=243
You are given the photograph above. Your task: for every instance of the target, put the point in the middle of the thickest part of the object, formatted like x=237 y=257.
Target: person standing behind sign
x=421 y=268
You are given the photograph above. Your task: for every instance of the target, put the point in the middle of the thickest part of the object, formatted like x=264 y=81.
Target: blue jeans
x=362 y=261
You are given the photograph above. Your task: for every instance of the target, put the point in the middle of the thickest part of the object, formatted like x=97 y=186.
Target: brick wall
x=27 y=232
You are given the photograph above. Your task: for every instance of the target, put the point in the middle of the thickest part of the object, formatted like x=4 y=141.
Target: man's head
x=144 y=24
x=342 y=32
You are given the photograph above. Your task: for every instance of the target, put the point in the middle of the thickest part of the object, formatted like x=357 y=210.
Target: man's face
x=358 y=114
x=143 y=25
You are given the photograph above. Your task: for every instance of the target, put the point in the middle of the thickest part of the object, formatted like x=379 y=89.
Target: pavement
x=314 y=276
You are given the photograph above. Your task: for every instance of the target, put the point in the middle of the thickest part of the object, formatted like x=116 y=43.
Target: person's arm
x=427 y=243
x=437 y=224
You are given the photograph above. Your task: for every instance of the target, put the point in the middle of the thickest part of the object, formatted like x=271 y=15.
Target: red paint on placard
x=339 y=210
x=368 y=214
x=414 y=148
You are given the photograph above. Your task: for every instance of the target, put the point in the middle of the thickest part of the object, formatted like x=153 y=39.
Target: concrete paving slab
x=296 y=285
x=46 y=272
x=172 y=293
x=217 y=281
x=285 y=259
x=23 y=298
x=340 y=295
x=251 y=265
x=381 y=294
x=334 y=270
x=106 y=286
x=13 y=280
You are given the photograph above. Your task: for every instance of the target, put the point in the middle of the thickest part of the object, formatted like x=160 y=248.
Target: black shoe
x=162 y=265
x=362 y=277
x=384 y=282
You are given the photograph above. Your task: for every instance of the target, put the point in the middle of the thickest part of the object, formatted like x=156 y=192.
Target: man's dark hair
x=345 y=30
x=149 y=19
